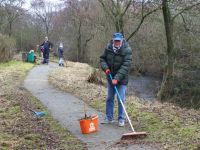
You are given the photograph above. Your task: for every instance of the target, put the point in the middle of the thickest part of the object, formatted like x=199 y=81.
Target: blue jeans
x=110 y=101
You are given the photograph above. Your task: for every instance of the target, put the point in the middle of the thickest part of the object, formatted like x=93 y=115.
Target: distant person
x=116 y=60
x=31 y=56
x=47 y=45
x=61 y=54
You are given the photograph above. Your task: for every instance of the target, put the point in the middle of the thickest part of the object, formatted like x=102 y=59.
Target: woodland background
x=164 y=36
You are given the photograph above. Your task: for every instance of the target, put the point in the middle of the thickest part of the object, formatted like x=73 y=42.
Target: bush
x=7 y=46
x=186 y=90
x=95 y=77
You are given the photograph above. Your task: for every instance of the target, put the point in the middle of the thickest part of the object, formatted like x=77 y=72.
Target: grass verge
x=19 y=127
x=168 y=126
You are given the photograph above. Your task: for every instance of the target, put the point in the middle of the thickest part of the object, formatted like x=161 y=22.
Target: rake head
x=133 y=135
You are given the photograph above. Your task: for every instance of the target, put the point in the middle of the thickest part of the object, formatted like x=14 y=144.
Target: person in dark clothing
x=61 y=54
x=116 y=60
x=47 y=45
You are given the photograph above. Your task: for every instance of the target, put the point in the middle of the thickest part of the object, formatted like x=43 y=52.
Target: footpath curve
x=67 y=109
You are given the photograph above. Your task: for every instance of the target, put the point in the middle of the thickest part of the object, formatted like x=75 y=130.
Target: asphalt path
x=68 y=109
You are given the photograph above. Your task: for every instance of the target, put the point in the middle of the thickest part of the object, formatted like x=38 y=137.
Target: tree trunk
x=10 y=29
x=79 y=49
x=119 y=24
x=167 y=82
x=47 y=29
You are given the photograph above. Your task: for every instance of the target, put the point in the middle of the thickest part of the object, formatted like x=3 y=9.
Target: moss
x=31 y=137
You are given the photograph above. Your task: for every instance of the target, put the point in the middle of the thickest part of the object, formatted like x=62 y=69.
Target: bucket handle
x=94 y=117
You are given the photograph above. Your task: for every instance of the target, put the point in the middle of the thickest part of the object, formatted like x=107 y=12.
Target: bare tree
x=44 y=10
x=168 y=76
x=84 y=24
x=151 y=8
x=117 y=9
x=12 y=10
x=1 y=2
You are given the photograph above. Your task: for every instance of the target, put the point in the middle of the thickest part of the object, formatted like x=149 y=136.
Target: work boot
x=121 y=123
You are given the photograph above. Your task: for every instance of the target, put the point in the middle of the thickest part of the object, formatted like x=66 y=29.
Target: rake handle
x=120 y=100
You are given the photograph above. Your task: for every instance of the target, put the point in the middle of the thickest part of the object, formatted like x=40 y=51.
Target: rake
x=133 y=134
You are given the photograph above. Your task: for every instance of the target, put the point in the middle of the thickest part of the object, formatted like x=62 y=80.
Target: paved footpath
x=67 y=109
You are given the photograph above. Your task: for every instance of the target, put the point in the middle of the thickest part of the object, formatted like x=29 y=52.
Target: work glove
x=107 y=71
x=114 y=81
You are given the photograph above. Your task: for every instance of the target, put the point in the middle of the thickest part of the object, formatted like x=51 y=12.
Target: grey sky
x=27 y=3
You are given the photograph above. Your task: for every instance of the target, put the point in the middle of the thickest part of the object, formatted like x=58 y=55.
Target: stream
x=145 y=87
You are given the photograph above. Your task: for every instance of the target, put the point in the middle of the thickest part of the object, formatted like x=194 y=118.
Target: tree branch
x=112 y=9
x=105 y=9
x=185 y=24
x=186 y=8
x=127 y=6
x=142 y=8
x=141 y=22
x=114 y=4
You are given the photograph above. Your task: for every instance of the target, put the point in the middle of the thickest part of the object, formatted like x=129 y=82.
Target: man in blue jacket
x=47 y=45
x=116 y=60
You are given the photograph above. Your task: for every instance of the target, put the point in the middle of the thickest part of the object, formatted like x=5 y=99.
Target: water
x=145 y=87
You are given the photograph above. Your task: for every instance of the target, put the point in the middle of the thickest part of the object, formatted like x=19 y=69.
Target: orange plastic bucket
x=89 y=124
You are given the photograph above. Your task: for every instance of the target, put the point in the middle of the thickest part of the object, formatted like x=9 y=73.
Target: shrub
x=186 y=90
x=7 y=46
x=95 y=77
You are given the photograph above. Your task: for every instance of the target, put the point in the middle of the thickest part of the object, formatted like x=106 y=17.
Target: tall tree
x=168 y=76
x=83 y=19
x=44 y=10
x=12 y=11
x=117 y=9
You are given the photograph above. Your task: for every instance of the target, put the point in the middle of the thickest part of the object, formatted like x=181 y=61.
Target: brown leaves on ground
x=19 y=127
x=73 y=79
x=26 y=131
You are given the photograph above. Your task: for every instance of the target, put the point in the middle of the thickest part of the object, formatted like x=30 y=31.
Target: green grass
x=68 y=141
x=167 y=128
x=16 y=65
x=19 y=129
